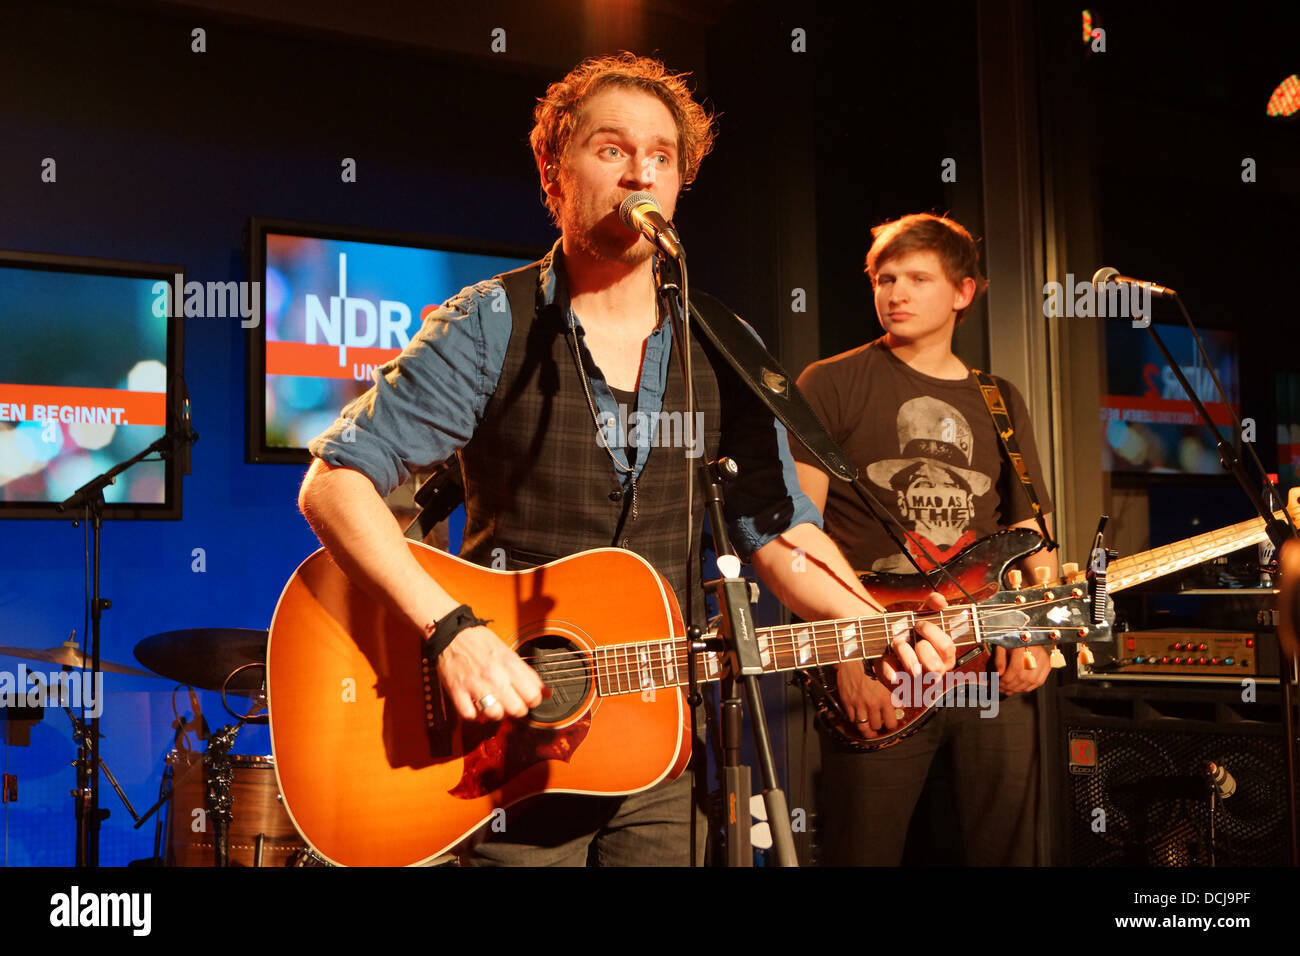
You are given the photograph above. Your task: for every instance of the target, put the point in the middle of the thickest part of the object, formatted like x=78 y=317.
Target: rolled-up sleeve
x=765 y=500
x=426 y=403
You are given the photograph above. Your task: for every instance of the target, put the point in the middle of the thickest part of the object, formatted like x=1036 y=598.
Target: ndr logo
x=355 y=323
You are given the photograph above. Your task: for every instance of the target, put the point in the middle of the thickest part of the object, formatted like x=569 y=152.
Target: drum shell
x=256 y=809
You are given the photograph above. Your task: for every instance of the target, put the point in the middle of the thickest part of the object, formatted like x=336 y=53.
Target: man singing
x=520 y=375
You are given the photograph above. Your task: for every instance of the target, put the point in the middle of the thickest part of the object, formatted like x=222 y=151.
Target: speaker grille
x=1149 y=786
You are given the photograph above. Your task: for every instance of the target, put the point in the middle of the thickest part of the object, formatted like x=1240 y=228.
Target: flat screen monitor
x=1149 y=425
x=337 y=303
x=89 y=378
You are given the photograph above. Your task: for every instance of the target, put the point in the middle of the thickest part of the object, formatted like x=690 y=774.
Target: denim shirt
x=427 y=402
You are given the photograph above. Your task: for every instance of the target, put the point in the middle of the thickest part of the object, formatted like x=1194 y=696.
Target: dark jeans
x=651 y=828
x=867 y=800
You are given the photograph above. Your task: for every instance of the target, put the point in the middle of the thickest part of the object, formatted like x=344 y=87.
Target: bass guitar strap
x=997 y=407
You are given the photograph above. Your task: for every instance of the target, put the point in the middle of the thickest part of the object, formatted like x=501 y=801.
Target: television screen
x=338 y=303
x=1150 y=426
x=87 y=378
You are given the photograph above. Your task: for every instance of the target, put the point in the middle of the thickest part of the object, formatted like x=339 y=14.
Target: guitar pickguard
x=503 y=751
x=979 y=569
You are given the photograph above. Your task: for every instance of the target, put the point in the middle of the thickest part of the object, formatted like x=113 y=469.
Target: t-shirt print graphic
x=934 y=487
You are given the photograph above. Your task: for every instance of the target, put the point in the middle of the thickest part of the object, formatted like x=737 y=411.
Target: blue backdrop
x=161 y=155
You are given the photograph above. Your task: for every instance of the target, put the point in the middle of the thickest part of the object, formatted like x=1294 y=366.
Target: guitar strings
x=616 y=672
x=826 y=635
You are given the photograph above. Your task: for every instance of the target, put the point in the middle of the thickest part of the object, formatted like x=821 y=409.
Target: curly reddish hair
x=559 y=112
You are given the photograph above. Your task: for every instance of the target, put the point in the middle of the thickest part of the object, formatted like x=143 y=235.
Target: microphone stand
x=90 y=497
x=764 y=377
x=1214 y=805
x=737 y=639
x=1278 y=530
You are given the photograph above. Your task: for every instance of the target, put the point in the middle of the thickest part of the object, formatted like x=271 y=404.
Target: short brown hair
x=923 y=232
x=559 y=111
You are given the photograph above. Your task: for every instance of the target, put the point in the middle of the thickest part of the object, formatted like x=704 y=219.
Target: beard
x=604 y=238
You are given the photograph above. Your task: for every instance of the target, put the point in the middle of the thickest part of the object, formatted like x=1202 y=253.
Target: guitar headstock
x=1047 y=614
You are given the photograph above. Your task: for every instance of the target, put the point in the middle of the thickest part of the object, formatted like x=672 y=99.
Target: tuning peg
x=1057 y=658
x=1041 y=574
x=1028 y=661
x=1085 y=656
x=1068 y=570
x=1015 y=579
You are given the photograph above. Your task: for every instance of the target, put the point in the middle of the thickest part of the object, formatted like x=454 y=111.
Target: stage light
x=1285 y=100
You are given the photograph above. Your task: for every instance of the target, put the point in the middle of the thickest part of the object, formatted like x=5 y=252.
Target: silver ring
x=485 y=702
x=867 y=721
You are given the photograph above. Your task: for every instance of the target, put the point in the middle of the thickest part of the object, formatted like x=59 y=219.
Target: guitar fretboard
x=649 y=665
x=1127 y=572
x=643 y=667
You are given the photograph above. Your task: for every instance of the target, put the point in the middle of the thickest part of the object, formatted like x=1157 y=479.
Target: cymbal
x=69 y=655
x=205 y=656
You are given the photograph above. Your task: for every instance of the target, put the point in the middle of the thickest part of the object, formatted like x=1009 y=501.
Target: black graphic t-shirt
x=926 y=447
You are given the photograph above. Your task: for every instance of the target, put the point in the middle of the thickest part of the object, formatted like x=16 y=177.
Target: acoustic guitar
x=375 y=768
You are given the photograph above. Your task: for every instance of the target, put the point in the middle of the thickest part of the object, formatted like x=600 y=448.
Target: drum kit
x=222 y=809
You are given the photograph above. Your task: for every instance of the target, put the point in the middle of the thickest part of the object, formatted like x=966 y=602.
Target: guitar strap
x=997 y=407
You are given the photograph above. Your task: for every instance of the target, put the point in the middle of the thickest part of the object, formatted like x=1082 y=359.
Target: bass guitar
x=981 y=568
x=375 y=769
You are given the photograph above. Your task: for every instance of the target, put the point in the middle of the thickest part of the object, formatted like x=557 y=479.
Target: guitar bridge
x=437 y=722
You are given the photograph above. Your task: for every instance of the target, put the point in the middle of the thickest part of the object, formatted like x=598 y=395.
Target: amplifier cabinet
x=1134 y=789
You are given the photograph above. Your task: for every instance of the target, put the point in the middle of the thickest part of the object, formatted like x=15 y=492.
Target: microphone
x=185 y=433
x=1107 y=274
x=1223 y=783
x=185 y=436
x=641 y=213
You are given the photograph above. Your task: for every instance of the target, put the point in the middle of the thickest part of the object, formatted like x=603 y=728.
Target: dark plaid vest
x=539 y=485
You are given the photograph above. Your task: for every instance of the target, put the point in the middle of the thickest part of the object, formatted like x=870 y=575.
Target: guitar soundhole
x=565 y=667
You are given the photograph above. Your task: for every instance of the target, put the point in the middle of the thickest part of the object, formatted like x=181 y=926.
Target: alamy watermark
x=78 y=908
x=1084 y=300
x=952 y=689
x=73 y=689
x=209 y=300
x=657 y=430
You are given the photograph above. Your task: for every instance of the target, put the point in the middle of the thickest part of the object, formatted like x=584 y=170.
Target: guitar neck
x=649 y=665
x=1138 y=568
x=642 y=667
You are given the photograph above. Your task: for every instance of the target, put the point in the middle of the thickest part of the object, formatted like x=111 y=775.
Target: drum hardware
x=236 y=684
x=217 y=763
x=220 y=775
x=85 y=733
